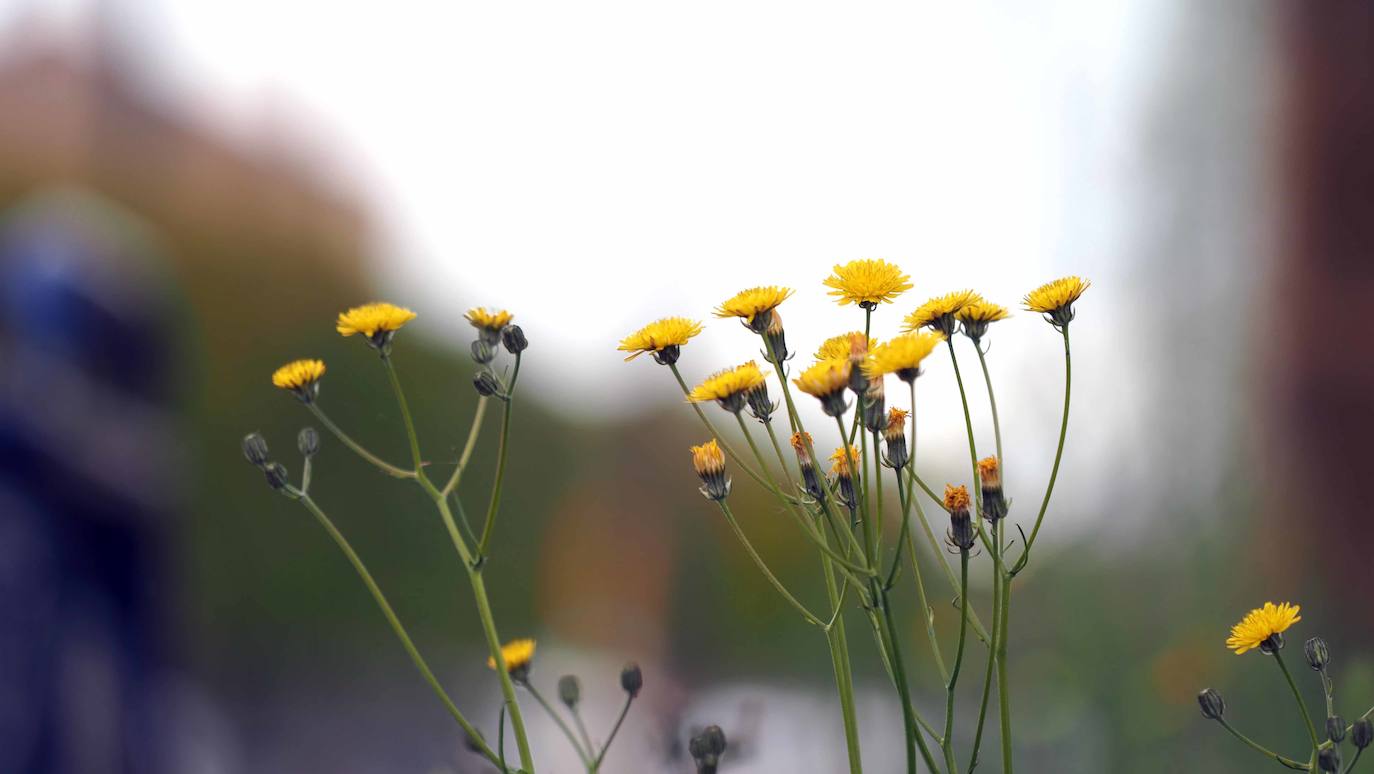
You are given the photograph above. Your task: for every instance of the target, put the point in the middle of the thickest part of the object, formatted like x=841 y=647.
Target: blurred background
x=192 y=191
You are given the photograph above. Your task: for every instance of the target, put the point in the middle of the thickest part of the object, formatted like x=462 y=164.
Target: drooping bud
x=1362 y=733
x=487 y=385
x=277 y=477
x=1329 y=759
x=775 y=341
x=569 y=691
x=759 y=403
x=482 y=352
x=1335 y=728
x=709 y=462
x=308 y=442
x=811 y=482
x=255 y=449
x=632 y=679
x=961 y=533
x=990 y=479
x=1213 y=706
x=513 y=338
x=843 y=464
x=894 y=434
x=875 y=406
x=1318 y=656
x=706 y=749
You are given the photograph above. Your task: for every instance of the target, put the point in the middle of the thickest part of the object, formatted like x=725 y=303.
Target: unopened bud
x=255 y=449
x=1335 y=728
x=486 y=384
x=961 y=533
x=709 y=462
x=632 y=679
x=569 y=690
x=1318 y=656
x=775 y=340
x=1271 y=644
x=308 y=442
x=811 y=480
x=759 y=404
x=895 y=435
x=875 y=406
x=706 y=749
x=1213 y=706
x=482 y=352
x=1329 y=759
x=1362 y=733
x=513 y=338
x=990 y=479
x=668 y=355
x=277 y=477
x=842 y=467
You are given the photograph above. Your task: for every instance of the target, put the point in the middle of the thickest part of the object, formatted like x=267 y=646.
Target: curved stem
x=584 y=756
x=582 y=729
x=356 y=447
x=958 y=661
x=400 y=629
x=763 y=567
x=838 y=641
x=517 y=720
x=405 y=415
x=501 y=453
x=596 y=765
x=1354 y=760
x=1058 y=453
x=927 y=614
x=913 y=735
x=1297 y=696
x=471 y=443
x=777 y=450
x=1261 y=749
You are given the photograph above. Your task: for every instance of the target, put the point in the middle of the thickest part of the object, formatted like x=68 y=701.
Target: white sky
x=595 y=165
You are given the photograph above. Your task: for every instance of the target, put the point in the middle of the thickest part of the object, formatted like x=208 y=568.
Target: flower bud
x=277 y=477
x=875 y=406
x=632 y=679
x=482 y=352
x=961 y=533
x=255 y=449
x=1329 y=759
x=487 y=385
x=709 y=462
x=1362 y=733
x=706 y=749
x=775 y=340
x=1213 y=706
x=759 y=405
x=894 y=434
x=513 y=338
x=842 y=466
x=990 y=479
x=1317 y=654
x=1271 y=644
x=811 y=483
x=308 y=442
x=668 y=355
x=569 y=690
x=1335 y=728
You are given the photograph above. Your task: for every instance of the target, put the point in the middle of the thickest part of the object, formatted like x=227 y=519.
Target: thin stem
x=1297 y=695
x=992 y=656
x=584 y=756
x=405 y=415
x=501 y=454
x=357 y=448
x=763 y=567
x=972 y=449
x=596 y=765
x=1354 y=760
x=958 y=661
x=582 y=729
x=471 y=444
x=914 y=738
x=992 y=403
x=777 y=449
x=927 y=614
x=1003 y=684
x=1261 y=749
x=838 y=641
x=400 y=629
x=517 y=720
x=686 y=391
x=1058 y=453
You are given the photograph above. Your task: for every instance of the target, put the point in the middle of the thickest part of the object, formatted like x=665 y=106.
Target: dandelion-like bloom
x=517 y=654
x=1055 y=299
x=489 y=323
x=867 y=282
x=938 y=313
x=843 y=345
x=664 y=338
x=709 y=462
x=729 y=387
x=843 y=464
x=376 y=322
x=754 y=306
x=977 y=315
x=826 y=380
x=1263 y=628
x=300 y=377
x=902 y=355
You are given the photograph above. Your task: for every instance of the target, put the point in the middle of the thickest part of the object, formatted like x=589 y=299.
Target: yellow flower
x=938 y=313
x=517 y=654
x=371 y=319
x=300 y=377
x=843 y=465
x=956 y=497
x=728 y=387
x=896 y=424
x=990 y=473
x=709 y=462
x=867 y=282
x=827 y=380
x=977 y=315
x=843 y=345
x=661 y=337
x=754 y=305
x=484 y=319
x=902 y=355
x=1258 y=626
x=1055 y=299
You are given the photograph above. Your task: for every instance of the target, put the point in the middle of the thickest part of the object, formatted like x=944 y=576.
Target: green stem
x=517 y=721
x=777 y=450
x=686 y=391
x=357 y=448
x=763 y=567
x=958 y=662
x=596 y=765
x=927 y=614
x=502 y=448
x=914 y=738
x=471 y=444
x=838 y=641
x=992 y=656
x=584 y=756
x=1058 y=454
x=1354 y=760
x=1297 y=696
x=405 y=416
x=399 y=629
x=582 y=729
x=1003 y=684
x=1261 y=749
x=992 y=403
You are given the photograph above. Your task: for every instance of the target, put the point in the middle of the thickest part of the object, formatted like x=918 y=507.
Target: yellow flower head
x=843 y=345
x=1055 y=299
x=902 y=355
x=485 y=319
x=990 y=473
x=801 y=443
x=938 y=313
x=300 y=377
x=662 y=337
x=867 y=282
x=956 y=498
x=842 y=464
x=754 y=306
x=1263 y=628
x=977 y=315
x=377 y=322
x=729 y=387
x=517 y=654
x=827 y=380
x=709 y=462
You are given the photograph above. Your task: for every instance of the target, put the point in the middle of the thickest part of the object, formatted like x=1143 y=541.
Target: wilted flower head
x=1263 y=628
x=663 y=338
x=902 y=355
x=1055 y=299
x=518 y=654
x=939 y=313
x=867 y=282
x=377 y=322
x=300 y=377
x=754 y=306
x=844 y=461
x=729 y=387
